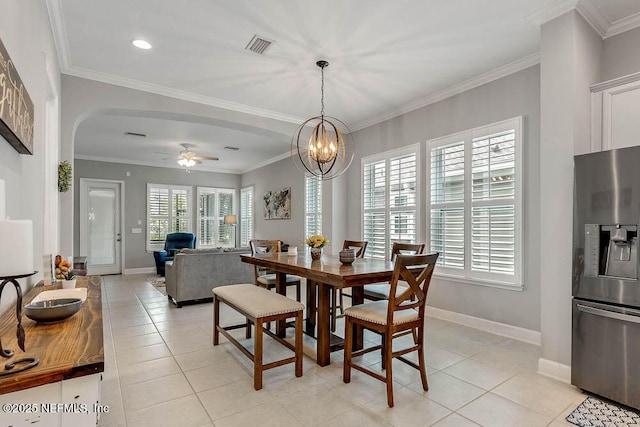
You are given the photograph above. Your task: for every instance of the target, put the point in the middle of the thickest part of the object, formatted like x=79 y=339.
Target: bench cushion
x=256 y=301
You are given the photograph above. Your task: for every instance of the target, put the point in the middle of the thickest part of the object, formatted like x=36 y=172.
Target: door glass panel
x=102 y=225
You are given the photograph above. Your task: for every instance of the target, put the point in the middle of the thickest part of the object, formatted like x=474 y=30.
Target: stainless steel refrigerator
x=605 y=356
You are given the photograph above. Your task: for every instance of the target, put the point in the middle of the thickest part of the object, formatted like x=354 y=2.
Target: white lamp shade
x=230 y=219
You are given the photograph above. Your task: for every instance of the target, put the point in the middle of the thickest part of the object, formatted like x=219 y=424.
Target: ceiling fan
x=188 y=158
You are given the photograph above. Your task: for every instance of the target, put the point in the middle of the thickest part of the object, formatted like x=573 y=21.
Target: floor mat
x=158 y=283
x=599 y=413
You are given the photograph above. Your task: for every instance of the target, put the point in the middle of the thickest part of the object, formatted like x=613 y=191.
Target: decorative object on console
x=64 y=176
x=16 y=257
x=232 y=220
x=20 y=335
x=316 y=243
x=320 y=147
x=16 y=107
x=277 y=204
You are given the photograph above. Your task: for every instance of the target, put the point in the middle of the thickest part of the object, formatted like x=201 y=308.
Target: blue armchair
x=173 y=243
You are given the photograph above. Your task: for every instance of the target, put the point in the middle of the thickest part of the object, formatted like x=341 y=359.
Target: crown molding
x=594 y=16
x=145 y=163
x=56 y=19
x=552 y=11
x=482 y=79
x=590 y=12
x=178 y=94
x=266 y=162
x=624 y=24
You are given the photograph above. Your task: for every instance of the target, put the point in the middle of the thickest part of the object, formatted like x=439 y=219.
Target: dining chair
x=380 y=291
x=263 y=276
x=400 y=315
x=336 y=293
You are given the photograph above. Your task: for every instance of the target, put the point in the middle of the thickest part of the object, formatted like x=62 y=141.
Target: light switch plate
x=136 y=231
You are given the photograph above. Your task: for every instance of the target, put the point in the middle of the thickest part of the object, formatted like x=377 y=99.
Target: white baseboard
x=555 y=370
x=509 y=331
x=144 y=270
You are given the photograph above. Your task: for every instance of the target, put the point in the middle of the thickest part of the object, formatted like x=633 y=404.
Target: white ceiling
x=385 y=57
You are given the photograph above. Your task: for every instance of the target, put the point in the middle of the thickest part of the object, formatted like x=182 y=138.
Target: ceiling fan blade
x=205 y=158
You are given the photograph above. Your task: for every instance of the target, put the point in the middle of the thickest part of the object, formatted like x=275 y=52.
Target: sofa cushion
x=202 y=251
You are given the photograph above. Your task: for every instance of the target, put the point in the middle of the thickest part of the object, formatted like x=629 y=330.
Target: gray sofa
x=195 y=272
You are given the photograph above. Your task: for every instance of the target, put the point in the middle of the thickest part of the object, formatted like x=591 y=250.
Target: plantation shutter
x=447 y=179
x=208 y=218
x=225 y=207
x=313 y=207
x=402 y=199
x=168 y=211
x=246 y=216
x=180 y=210
x=493 y=203
x=374 y=220
x=158 y=215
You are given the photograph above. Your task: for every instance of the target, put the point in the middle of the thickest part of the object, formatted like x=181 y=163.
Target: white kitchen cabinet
x=615 y=111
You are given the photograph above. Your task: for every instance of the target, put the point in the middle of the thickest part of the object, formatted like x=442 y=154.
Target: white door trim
x=84 y=227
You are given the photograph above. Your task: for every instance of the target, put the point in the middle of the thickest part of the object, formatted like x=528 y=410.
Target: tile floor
x=161 y=369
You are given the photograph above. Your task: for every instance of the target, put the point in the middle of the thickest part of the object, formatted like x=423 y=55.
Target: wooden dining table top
x=327 y=270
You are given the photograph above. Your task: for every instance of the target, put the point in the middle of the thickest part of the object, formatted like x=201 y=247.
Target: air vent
x=259 y=45
x=141 y=135
x=232 y=148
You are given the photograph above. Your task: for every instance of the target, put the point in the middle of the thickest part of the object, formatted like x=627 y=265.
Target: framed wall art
x=277 y=204
x=16 y=107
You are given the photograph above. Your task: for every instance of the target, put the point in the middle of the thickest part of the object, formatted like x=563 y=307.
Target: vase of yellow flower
x=316 y=243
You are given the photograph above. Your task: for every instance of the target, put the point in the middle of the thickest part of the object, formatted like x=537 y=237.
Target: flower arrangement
x=318 y=241
x=63 y=269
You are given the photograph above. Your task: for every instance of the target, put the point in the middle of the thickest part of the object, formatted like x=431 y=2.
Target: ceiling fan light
x=187 y=162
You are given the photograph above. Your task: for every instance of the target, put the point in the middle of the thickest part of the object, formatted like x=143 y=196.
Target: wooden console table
x=64 y=388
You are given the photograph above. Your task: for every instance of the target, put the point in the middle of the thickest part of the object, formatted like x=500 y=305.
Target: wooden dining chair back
x=399 y=315
x=380 y=291
x=337 y=295
x=361 y=247
x=265 y=277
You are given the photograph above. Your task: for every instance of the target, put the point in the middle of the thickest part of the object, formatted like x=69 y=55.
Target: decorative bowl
x=52 y=310
x=347 y=256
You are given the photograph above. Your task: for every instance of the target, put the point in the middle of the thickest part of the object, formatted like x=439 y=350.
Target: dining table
x=322 y=275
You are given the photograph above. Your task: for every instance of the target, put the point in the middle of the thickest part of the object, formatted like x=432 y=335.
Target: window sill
x=481 y=282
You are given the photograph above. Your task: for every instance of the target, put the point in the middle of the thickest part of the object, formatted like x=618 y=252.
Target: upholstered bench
x=259 y=306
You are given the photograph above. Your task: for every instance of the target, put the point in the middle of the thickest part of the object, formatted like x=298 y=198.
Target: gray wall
x=26 y=35
x=514 y=95
x=136 y=255
x=274 y=177
x=621 y=55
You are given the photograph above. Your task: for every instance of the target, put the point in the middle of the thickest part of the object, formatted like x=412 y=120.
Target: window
x=312 y=206
x=168 y=211
x=475 y=203
x=213 y=205
x=389 y=183
x=246 y=216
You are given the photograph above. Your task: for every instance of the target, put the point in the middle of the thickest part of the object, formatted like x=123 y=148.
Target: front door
x=100 y=225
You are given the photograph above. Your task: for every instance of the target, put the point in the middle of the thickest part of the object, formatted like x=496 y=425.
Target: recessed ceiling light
x=141 y=44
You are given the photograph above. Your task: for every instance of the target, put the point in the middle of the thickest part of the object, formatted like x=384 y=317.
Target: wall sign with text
x=16 y=107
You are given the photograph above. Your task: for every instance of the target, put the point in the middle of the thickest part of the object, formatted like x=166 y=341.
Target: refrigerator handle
x=609 y=314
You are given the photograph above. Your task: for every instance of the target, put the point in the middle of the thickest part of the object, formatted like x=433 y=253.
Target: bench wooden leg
x=216 y=320
x=257 y=355
x=298 y=344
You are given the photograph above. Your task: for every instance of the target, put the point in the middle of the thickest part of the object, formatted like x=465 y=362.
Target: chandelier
x=321 y=147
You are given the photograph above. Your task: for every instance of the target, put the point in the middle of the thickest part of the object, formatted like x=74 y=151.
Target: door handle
x=610 y=314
